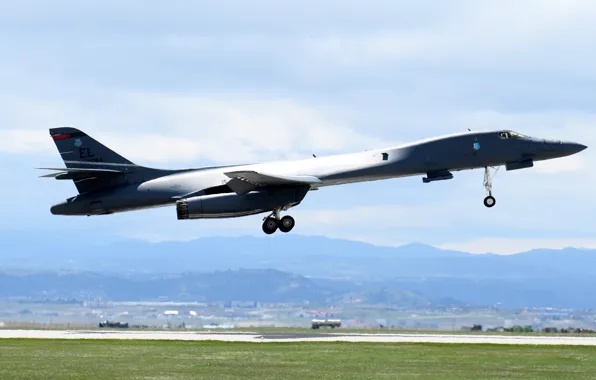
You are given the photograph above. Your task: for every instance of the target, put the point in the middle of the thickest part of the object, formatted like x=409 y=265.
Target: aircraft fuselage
x=436 y=158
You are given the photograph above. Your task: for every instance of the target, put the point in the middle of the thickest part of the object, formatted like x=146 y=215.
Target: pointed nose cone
x=549 y=149
x=574 y=148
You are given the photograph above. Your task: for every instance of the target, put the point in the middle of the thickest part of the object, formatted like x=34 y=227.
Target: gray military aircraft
x=108 y=183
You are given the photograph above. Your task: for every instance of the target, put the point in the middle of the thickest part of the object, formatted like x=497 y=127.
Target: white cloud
x=506 y=246
x=161 y=128
x=459 y=210
x=22 y=141
x=370 y=218
x=530 y=35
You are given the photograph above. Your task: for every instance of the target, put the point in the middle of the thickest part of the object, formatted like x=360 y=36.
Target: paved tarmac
x=297 y=337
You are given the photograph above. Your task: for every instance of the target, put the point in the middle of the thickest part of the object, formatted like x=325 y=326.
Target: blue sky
x=181 y=83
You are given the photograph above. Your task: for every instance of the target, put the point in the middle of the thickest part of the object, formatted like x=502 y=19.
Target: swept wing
x=243 y=182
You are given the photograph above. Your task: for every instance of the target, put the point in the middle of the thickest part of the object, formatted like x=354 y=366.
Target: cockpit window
x=511 y=135
x=517 y=135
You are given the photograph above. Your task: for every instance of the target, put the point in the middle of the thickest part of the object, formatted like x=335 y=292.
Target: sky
x=194 y=83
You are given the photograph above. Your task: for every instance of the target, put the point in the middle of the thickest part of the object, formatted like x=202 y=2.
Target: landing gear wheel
x=270 y=226
x=286 y=224
x=490 y=201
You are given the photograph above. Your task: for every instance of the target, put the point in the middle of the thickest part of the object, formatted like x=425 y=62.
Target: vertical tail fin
x=90 y=165
x=80 y=150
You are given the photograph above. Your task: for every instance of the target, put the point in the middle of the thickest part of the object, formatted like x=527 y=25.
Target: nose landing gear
x=273 y=222
x=489 y=201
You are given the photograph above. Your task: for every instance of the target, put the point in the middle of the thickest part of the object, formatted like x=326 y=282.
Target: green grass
x=106 y=359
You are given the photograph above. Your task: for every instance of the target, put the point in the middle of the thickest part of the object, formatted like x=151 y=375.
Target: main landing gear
x=272 y=222
x=489 y=201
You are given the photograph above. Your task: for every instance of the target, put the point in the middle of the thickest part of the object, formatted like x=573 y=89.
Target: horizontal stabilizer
x=82 y=170
x=79 y=172
x=52 y=175
x=245 y=181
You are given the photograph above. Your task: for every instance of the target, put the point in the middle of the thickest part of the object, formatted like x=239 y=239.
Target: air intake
x=182 y=210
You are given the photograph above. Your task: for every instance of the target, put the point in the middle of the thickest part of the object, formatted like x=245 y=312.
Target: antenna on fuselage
x=314 y=155
x=469 y=130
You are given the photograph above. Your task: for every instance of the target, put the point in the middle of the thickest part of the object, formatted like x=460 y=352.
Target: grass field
x=105 y=359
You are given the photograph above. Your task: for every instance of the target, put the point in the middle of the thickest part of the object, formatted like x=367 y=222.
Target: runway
x=294 y=337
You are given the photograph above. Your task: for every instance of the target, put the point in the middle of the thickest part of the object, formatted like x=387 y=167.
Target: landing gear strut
x=489 y=201
x=272 y=222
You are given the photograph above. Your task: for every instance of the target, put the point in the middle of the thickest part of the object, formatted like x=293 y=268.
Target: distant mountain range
x=323 y=268
x=243 y=285
x=304 y=255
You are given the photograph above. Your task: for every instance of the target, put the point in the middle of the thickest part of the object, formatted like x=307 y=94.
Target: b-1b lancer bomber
x=108 y=183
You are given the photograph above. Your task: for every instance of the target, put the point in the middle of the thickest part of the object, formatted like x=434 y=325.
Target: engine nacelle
x=230 y=205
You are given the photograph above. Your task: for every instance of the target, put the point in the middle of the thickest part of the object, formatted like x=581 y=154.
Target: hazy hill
x=320 y=267
x=309 y=256
x=243 y=285
x=277 y=286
